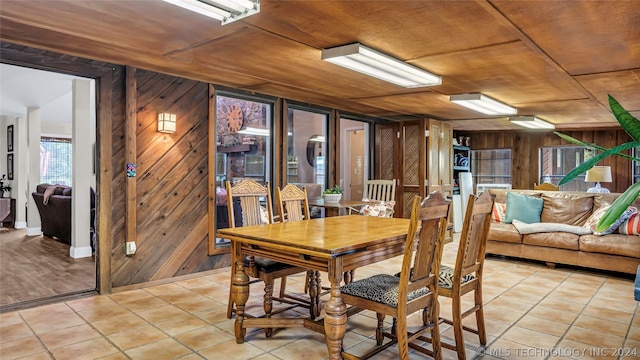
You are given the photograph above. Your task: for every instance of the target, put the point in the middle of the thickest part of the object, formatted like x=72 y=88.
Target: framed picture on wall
x=10 y=138
x=10 y=166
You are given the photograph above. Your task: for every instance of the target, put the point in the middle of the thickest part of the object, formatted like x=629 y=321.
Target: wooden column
x=130 y=152
x=104 y=177
x=211 y=164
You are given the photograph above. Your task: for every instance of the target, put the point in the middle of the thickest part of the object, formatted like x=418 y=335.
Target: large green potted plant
x=632 y=126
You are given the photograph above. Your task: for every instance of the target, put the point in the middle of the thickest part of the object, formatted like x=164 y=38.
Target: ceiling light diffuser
x=531 y=122
x=483 y=104
x=255 y=131
x=225 y=10
x=362 y=59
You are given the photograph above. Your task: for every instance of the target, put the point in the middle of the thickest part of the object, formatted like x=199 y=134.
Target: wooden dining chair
x=293 y=205
x=381 y=191
x=414 y=289
x=255 y=204
x=466 y=276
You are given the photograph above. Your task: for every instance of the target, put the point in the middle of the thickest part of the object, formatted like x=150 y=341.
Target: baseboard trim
x=34 y=231
x=80 y=252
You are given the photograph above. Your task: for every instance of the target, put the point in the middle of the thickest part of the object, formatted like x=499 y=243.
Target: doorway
x=39 y=105
x=354 y=160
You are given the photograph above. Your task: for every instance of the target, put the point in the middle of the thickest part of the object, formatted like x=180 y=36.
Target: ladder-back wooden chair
x=293 y=205
x=250 y=195
x=413 y=289
x=466 y=276
x=380 y=190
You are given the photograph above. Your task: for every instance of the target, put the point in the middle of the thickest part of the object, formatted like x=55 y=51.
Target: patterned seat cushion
x=380 y=288
x=446 y=277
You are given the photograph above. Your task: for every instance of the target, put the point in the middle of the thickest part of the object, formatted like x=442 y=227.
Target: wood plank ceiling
x=554 y=59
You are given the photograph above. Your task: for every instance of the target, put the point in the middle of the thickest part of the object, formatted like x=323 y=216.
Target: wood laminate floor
x=38 y=267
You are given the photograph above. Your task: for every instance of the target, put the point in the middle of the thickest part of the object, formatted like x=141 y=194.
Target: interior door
x=356 y=164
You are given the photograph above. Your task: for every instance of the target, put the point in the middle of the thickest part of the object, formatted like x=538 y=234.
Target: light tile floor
x=531 y=312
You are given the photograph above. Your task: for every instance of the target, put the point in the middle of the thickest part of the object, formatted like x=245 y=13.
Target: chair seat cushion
x=266 y=265
x=380 y=288
x=446 y=277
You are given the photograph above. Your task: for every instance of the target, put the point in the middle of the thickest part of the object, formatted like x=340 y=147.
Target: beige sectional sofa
x=614 y=252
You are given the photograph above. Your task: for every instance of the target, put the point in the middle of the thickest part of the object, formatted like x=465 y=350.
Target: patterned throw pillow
x=498 y=212
x=382 y=209
x=631 y=226
x=593 y=220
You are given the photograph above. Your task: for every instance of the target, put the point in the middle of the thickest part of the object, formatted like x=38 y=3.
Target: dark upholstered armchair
x=54 y=206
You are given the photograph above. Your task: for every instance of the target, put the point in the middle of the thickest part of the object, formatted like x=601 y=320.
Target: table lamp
x=598 y=174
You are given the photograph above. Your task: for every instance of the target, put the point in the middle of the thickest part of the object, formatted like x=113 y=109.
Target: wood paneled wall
x=525 y=151
x=171 y=198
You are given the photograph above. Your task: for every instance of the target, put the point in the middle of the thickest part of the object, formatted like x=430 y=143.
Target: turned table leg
x=335 y=318
x=240 y=295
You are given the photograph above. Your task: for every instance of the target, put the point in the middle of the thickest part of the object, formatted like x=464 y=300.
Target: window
x=307 y=149
x=557 y=161
x=491 y=166
x=244 y=148
x=55 y=161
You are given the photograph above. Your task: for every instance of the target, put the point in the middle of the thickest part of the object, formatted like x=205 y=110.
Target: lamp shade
x=599 y=174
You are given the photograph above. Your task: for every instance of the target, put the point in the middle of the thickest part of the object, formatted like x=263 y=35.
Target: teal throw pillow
x=524 y=208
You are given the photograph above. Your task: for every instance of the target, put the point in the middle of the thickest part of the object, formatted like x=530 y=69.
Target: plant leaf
x=594 y=160
x=618 y=207
x=629 y=123
x=585 y=144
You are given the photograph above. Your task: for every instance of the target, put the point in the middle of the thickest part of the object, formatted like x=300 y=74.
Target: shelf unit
x=461 y=163
x=292 y=169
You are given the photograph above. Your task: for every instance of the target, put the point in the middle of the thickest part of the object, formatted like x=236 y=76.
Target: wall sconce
x=167 y=123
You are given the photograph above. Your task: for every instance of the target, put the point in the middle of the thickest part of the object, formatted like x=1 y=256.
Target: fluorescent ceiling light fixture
x=255 y=131
x=483 y=104
x=225 y=10
x=362 y=59
x=531 y=122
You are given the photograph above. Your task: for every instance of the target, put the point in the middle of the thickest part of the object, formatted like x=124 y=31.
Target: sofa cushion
x=560 y=240
x=631 y=226
x=613 y=244
x=593 y=220
x=524 y=208
x=498 y=213
x=524 y=228
x=566 y=208
x=504 y=232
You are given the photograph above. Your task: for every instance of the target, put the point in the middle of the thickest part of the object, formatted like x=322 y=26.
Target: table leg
x=335 y=318
x=240 y=294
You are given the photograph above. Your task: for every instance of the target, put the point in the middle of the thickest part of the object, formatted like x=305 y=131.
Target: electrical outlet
x=131 y=247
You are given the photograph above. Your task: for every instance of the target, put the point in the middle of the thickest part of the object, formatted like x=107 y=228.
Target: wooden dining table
x=332 y=245
x=352 y=206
